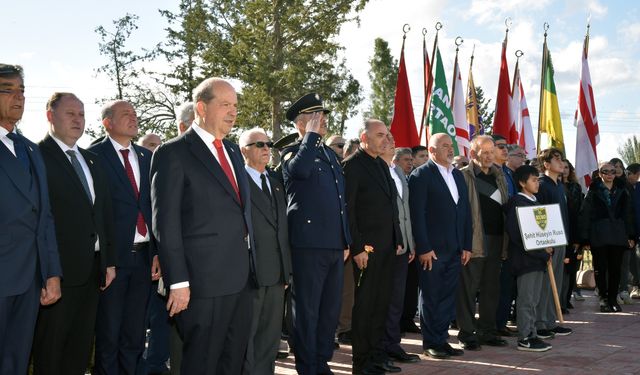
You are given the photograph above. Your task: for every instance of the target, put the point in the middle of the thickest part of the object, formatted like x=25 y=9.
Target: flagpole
x=586 y=38
x=542 y=79
x=433 y=56
x=507 y=23
x=425 y=55
x=480 y=125
x=455 y=71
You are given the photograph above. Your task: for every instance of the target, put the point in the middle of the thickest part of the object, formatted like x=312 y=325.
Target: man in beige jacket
x=481 y=276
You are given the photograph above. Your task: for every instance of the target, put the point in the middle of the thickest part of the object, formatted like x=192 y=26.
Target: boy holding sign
x=527 y=266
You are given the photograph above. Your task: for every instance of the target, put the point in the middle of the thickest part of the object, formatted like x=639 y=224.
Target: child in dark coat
x=528 y=266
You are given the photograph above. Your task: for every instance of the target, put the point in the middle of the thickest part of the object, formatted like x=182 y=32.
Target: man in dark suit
x=273 y=256
x=81 y=208
x=393 y=336
x=319 y=235
x=120 y=325
x=30 y=268
x=202 y=219
x=441 y=221
x=376 y=239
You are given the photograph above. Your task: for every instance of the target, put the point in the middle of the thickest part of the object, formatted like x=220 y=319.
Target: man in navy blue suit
x=318 y=232
x=441 y=223
x=120 y=324
x=30 y=268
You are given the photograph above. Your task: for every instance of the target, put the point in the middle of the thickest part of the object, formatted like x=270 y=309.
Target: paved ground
x=601 y=344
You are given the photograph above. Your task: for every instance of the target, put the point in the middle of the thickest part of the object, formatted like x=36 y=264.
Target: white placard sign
x=541 y=226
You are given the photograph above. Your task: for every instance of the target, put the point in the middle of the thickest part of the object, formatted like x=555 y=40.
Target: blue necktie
x=21 y=150
x=75 y=163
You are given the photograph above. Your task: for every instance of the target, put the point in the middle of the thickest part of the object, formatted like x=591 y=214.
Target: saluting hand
x=427 y=259
x=178 y=300
x=313 y=125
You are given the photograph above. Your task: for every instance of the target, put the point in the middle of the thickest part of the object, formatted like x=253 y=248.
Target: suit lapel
x=49 y=144
x=261 y=203
x=204 y=155
x=112 y=158
x=403 y=181
x=143 y=163
x=237 y=163
x=16 y=171
x=375 y=172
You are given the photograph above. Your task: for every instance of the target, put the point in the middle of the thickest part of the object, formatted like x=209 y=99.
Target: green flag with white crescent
x=441 y=118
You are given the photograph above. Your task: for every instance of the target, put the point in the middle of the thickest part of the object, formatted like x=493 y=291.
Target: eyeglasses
x=338 y=145
x=518 y=155
x=607 y=171
x=260 y=144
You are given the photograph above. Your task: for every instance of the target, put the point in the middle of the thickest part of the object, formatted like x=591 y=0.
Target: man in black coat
x=202 y=219
x=373 y=221
x=81 y=208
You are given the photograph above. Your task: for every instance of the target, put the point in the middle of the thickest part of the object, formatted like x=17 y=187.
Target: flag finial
x=405 y=29
x=519 y=54
x=458 y=43
x=546 y=28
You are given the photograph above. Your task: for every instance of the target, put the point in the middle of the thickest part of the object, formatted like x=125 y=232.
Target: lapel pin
x=91 y=161
x=30 y=149
x=141 y=154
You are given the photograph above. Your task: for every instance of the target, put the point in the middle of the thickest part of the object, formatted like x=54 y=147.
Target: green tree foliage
x=144 y=90
x=383 y=74
x=280 y=50
x=630 y=150
x=486 y=115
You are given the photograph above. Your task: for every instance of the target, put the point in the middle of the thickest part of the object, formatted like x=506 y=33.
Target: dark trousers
x=157 y=352
x=508 y=293
x=410 y=296
x=438 y=297
x=371 y=307
x=392 y=336
x=266 y=328
x=64 y=331
x=175 y=348
x=606 y=265
x=317 y=292
x=215 y=333
x=481 y=278
x=348 y=294
x=122 y=312
x=17 y=322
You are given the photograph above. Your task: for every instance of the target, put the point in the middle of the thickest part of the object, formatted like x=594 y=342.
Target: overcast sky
x=57 y=45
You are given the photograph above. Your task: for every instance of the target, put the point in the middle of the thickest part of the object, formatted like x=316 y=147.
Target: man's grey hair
x=204 y=91
x=246 y=135
x=107 y=108
x=401 y=151
x=186 y=113
x=479 y=140
x=369 y=123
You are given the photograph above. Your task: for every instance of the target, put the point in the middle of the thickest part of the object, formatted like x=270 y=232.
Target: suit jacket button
x=34 y=209
x=308 y=221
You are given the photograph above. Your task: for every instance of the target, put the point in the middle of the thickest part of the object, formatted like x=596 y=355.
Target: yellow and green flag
x=550 y=122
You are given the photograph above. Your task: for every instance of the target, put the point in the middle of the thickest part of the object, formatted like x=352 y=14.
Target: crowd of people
x=195 y=256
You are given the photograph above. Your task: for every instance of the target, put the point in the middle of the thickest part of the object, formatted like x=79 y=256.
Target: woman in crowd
x=574 y=203
x=606 y=227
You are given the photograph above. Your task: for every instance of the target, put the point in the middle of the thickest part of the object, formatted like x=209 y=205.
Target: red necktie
x=224 y=163
x=140 y=224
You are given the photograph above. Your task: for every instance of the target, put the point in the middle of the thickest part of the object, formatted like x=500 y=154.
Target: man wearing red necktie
x=120 y=324
x=202 y=220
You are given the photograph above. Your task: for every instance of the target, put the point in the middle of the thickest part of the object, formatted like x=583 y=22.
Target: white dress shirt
x=447 y=175
x=6 y=141
x=133 y=160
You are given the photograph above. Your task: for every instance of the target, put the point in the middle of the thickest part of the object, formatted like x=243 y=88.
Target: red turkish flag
x=403 y=125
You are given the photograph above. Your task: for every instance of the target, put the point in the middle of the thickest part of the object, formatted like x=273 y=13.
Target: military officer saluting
x=318 y=232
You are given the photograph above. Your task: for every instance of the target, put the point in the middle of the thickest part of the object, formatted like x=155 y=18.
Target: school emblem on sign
x=541 y=217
